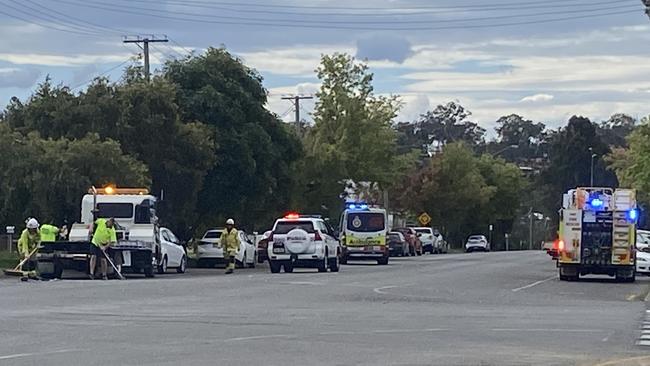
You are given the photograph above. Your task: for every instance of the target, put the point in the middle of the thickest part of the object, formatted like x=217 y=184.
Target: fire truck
x=597 y=234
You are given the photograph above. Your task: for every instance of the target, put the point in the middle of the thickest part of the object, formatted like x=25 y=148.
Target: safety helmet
x=32 y=224
x=230 y=222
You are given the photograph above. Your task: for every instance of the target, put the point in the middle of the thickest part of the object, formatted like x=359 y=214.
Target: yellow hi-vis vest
x=48 y=233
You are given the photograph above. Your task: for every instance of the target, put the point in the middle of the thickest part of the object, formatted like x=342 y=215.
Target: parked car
x=303 y=241
x=428 y=241
x=415 y=244
x=643 y=262
x=262 y=247
x=210 y=253
x=173 y=252
x=477 y=242
x=397 y=244
x=642 y=239
x=440 y=242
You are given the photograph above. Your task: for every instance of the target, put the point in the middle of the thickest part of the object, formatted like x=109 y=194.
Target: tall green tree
x=252 y=178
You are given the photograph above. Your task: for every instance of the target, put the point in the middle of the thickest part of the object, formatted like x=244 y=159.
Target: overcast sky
x=543 y=59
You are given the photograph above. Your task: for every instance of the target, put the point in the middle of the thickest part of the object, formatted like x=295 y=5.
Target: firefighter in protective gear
x=48 y=233
x=230 y=244
x=29 y=240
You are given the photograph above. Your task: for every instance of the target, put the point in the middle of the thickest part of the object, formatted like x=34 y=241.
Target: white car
x=643 y=263
x=172 y=251
x=209 y=251
x=428 y=241
x=303 y=241
x=477 y=242
x=642 y=239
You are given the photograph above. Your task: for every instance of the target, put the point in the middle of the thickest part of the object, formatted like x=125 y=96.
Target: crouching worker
x=103 y=237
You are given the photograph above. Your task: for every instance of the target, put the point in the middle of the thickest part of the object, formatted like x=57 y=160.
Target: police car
x=303 y=241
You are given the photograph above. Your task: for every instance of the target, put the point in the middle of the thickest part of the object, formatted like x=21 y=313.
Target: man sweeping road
x=29 y=240
x=102 y=238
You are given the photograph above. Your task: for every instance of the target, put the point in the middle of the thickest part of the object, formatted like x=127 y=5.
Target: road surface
x=457 y=309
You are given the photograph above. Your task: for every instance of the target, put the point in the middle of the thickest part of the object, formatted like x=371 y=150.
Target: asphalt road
x=460 y=309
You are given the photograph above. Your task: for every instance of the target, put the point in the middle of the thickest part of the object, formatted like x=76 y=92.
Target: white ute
x=303 y=241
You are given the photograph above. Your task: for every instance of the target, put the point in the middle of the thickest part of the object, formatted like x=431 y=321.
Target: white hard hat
x=230 y=222
x=32 y=224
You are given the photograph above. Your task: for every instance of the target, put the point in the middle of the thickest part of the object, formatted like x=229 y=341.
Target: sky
x=543 y=59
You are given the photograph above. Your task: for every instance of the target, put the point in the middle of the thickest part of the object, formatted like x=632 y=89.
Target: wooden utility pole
x=296 y=105
x=145 y=48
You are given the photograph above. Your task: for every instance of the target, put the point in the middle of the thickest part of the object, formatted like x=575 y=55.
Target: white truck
x=138 y=233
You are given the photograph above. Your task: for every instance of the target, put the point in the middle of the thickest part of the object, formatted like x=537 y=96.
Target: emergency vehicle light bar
x=113 y=190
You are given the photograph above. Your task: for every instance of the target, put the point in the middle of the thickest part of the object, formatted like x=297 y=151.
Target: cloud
x=382 y=47
x=61 y=60
x=18 y=78
x=538 y=98
x=294 y=61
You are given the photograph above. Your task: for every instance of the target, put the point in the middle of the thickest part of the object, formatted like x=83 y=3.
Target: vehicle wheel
x=343 y=260
x=148 y=271
x=334 y=264
x=383 y=261
x=419 y=253
x=275 y=266
x=322 y=266
x=288 y=267
x=162 y=268
x=182 y=267
x=251 y=264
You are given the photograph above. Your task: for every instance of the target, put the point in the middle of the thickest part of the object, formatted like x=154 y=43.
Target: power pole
x=296 y=105
x=647 y=6
x=145 y=48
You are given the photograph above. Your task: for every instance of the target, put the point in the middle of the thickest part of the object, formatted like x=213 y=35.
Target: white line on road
x=21 y=355
x=533 y=284
x=380 y=290
x=253 y=338
x=547 y=330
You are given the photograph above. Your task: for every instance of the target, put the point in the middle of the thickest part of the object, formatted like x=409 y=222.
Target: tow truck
x=597 y=234
x=138 y=233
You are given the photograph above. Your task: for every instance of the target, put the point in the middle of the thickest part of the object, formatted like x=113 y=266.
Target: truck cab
x=363 y=233
x=597 y=233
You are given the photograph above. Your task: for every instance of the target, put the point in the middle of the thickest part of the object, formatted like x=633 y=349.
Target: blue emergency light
x=596 y=203
x=632 y=215
x=358 y=206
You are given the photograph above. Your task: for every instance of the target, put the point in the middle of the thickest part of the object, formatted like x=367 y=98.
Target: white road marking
x=380 y=290
x=547 y=330
x=21 y=355
x=253 y=338
x=533 y=284
x=643 y=343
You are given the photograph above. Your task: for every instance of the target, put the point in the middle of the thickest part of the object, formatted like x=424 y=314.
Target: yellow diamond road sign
x=424 y=219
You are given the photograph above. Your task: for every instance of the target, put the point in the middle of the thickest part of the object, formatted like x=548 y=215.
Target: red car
x=415 y=245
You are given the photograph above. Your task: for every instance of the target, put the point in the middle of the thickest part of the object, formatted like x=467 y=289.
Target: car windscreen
x=394 y=237
x=424 y=231
x=476 y=238
x=366 y=222
x=283 y=227
x=212 y=235
x=116 y=210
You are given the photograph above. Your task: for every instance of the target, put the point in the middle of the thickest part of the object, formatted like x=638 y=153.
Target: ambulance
x=363 y=232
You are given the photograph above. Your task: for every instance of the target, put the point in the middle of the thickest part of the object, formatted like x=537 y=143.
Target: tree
x=632 y=165
x=449 y=123
x=252 y=178
x=615 y=130
x=519 y=139
x=352 y=137
x=46 y=178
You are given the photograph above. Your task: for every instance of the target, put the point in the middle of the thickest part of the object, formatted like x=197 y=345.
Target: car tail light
x=560 y=245
x=317 y=237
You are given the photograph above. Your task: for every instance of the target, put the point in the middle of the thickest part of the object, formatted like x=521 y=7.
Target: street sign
x=424 y=219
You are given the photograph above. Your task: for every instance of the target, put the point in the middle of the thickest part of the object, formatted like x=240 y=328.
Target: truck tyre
x=383 y=261
x=322 y=266
x=275 y=266
x=162 y=268
x=343 y=259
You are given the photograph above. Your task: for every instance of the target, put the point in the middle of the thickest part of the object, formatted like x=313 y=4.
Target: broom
x=17 y=271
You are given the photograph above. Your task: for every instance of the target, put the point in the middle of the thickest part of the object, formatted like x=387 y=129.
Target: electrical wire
x=101 y=74
x=301 y=21
x=51 y=27
x=179 y=45
x=49 y=18
x=74 y=20
x=313 y=25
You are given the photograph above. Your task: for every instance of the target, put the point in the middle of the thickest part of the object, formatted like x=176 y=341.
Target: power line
x=334 y=27
x=101 y=74
x=75 y=20
x=29 y=21
x=304 y=21
x=179 y=45
x=145 y=48
x=49 y=18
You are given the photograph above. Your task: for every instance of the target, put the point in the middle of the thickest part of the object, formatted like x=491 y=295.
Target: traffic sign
x=424 y=219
